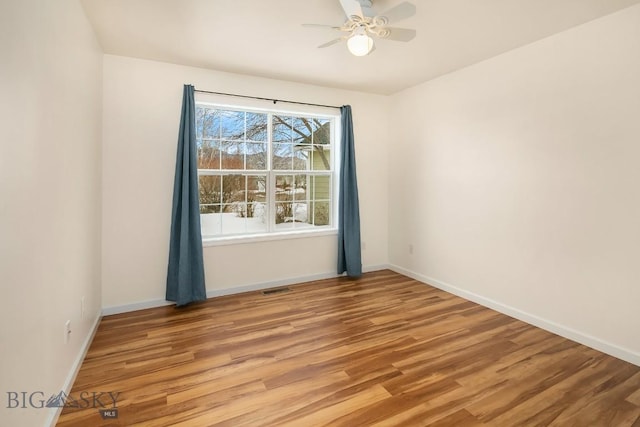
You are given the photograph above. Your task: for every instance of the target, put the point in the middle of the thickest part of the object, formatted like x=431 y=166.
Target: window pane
x=321 y=158
x=284 y=188
x=210 y=220
x=257 y=127
x=208 y=154
x=255 y=210
x=300 y=189
x=300 y=213
x=321 y=187
x=210 y=123
x=321 y=213
x=302 y=130
x=232 y=155
x=209 y=187
x=302 y=157
x=282 y=156
x=281 y=129
x=257 y=188
x=257 y=217
x=321 y=132
x=232 y=124
x=256 y=156
x=231 y=222
x=284 y=215
x=233 y=189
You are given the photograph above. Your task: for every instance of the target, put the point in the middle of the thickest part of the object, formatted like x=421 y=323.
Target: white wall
x=517 y=181
x=50 y=114
x=142 y=101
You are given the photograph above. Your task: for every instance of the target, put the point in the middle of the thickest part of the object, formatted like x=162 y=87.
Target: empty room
x=320 y=213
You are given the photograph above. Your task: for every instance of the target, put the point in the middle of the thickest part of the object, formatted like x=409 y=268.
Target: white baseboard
x=566 y=332
x=107 y=311
x=126 y=308
x=54 y=413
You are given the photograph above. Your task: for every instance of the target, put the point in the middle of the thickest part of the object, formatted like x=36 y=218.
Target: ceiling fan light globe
x=360 y=44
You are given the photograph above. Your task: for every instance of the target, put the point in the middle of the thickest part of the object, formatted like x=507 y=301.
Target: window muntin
x=263 y=172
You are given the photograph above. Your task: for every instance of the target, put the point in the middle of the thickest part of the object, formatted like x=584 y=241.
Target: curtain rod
x=266 y=99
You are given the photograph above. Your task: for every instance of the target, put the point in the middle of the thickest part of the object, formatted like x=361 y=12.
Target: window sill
x=241 y=240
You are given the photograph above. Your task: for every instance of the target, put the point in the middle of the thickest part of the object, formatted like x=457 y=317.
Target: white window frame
x=305 y=111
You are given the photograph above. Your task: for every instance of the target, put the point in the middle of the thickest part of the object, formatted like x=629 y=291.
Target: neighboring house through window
x=264 y=172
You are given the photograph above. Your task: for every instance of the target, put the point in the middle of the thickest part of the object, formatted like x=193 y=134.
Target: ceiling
x=265 y=37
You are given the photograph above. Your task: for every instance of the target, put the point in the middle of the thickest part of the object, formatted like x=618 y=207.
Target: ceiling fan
x=363 y=25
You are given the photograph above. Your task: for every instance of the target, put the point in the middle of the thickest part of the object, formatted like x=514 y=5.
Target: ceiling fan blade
x=331 y=43
x=402 y=11
x=332 y=27
x=400 y=34
x=351 y=8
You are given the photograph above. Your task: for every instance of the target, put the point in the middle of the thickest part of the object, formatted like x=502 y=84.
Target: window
x=264 y=172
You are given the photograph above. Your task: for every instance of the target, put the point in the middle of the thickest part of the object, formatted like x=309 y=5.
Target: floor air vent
x=275 y=291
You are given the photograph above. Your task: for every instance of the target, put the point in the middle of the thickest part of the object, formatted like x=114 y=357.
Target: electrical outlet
x=82 y=308
x=67 y=331
x=363 y=246
x=410 y=249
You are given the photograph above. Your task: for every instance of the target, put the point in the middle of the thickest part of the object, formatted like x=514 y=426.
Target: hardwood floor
x=384 y=350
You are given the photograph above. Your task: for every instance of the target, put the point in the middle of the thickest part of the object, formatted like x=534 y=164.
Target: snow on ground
x=216 y=224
